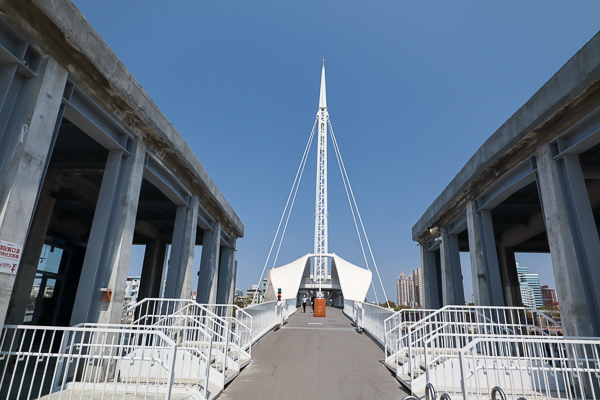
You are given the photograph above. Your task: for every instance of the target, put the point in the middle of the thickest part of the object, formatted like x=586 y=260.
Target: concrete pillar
x=573 y=239
x=485 y=270
x=21 y=174
x=478 y=275
x=190 y=252
x=226 y=274
x=452 y=281
x=208 y=277
x=492 y=268
x=152 y=269
x=510 y=279
x=431 y=298
x=31 y=254
x=233 y=281
x=181 y=263
x=106 y=261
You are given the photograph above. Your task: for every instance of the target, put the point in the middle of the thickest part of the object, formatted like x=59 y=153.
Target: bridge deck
x=315 y=358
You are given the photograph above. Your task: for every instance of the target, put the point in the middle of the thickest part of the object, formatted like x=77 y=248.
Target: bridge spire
x=321 y=214
x=323 y=94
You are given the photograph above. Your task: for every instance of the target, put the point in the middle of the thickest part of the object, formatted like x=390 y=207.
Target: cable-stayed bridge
x=182 y=349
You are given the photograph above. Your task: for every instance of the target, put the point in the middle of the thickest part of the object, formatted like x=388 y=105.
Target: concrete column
x=510 y=279
x=181 y=264
x=226 y=274
x=573 y=240
x=31 y=254
x=431 y=298
x=190 y=252
x=233 y=281
x=485 y=270
x=492 y=268
x=106 y=261
x=152 y=269
x=209 y=266
x=478 y=275
x=452 y=281
x=21 y=174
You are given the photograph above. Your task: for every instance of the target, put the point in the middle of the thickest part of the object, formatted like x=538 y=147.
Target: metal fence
x=396 y=331
x=466 y=323
x=229 y=326
x=349 y=309
x=266 y=316
x=529 y=367
x=289 y=308
x=372 y=320
x=87 y=362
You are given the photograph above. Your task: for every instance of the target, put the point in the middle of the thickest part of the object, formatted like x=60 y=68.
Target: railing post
x=226 y=350
x=172 y=373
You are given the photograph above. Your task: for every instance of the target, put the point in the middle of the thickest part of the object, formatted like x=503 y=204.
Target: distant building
x=409 y=289
x=418 y=281
x=254 y=290
x=549 y=297
x=131 y=295
x=238 y=295
x=132 y=290
x=527 y=295
x=530 y=282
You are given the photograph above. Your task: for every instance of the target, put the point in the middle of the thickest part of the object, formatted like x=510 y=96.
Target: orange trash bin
x=320 y=307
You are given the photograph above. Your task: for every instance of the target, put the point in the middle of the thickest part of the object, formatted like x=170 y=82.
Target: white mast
x=321 y=215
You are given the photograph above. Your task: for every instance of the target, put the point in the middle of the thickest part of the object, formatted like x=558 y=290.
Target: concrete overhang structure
x=89 y=165
x=533 y=186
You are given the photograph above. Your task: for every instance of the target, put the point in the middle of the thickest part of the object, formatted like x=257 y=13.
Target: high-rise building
x=549 y=297
x=410 y=289
x=418 y=278
x=530 y=286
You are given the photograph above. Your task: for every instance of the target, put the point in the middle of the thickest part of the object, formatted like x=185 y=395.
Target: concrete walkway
x=315 y=358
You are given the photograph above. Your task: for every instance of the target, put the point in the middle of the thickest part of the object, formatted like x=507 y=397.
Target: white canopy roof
x=354 y=280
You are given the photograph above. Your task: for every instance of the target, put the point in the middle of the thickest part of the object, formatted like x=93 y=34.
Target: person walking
x=304 y=300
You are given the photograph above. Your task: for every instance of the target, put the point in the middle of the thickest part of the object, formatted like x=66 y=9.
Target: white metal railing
x=372 y=320
x=226 y=343
x=230 y=328
x=111 y=362
x=396 y=329
x=268 y=315
x=194 y=350
x=289 y=308
x=411 y=350
x=349 y=309
x=264 y=318
x=532 y=367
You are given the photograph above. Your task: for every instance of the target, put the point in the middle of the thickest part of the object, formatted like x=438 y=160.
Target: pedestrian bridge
x=179 y=349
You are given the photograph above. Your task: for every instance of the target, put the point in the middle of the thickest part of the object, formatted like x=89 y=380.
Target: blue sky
x=414 y=88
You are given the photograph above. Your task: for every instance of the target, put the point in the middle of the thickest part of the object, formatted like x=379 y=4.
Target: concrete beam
x=554 y=108
x=101 y=74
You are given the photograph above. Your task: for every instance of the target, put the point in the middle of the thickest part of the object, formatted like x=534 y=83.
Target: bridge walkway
x=315 y=358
